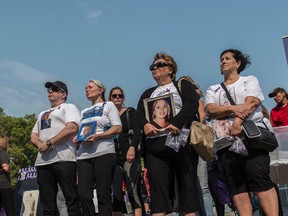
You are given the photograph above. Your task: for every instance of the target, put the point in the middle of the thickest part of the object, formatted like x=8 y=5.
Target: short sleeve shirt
x=105 y=115
x=49 y=123
x=239 y=90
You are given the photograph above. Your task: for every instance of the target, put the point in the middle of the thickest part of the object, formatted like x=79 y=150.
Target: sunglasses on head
x=117 y=95
x=159 y=65
x=55 y=89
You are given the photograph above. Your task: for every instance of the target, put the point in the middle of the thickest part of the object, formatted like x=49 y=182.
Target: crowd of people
x=107 y=155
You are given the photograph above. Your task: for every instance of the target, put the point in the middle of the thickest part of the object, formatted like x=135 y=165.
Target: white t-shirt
x=49 y=123
x=169 y=89
x=239 y=90
x=105 y=115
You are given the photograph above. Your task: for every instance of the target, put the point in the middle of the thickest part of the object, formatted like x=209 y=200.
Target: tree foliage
x=20 y=151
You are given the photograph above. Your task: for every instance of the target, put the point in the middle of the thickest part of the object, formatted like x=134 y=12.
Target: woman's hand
x=235 y=129
x=240 y=111
x=150 y=130
x=92 y=138
x=75 y=140
x=130 y=156
x=174 y=130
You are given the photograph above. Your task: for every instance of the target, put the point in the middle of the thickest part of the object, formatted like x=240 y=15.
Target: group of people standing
x=108 y=155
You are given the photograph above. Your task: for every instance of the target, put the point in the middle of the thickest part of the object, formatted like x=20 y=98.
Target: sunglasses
x=114 y=96
x=55 y=89
x=159 y=65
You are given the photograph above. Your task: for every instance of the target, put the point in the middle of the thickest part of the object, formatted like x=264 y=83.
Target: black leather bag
x=266 y=142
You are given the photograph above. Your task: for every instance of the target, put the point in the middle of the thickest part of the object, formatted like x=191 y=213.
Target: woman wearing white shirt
x=96 y=157
x=244 y=173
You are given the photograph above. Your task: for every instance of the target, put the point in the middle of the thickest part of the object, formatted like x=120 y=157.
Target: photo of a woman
x=160 y=113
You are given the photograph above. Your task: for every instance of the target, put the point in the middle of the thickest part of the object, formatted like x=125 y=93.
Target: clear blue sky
x=115 y=41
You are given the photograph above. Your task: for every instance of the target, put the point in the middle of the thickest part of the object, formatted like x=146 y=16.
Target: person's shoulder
x=248 y=78
x=149 y=90
x=214 y=87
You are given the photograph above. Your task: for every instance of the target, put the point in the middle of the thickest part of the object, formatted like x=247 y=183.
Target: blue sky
x=115 y=41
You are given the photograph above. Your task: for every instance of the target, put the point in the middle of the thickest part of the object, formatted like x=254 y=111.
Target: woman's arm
x=218 y=112
x=134 y=125
x=110 y=133
x=251 y=103
x=190 y=104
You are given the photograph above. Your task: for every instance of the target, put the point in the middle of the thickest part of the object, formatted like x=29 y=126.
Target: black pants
x=7 y=200
x=96 y=172
x=130 y=173
x=48 y=176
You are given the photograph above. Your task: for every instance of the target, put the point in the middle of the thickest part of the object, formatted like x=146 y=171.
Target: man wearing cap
x=52 y=134
x=279 y=114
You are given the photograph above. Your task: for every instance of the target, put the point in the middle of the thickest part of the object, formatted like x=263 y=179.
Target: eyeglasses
x=159 y=65
x=55 y=89
x=114 y=96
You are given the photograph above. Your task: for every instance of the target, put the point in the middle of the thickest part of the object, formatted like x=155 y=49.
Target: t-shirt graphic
x=95 y=111
x=45 y=121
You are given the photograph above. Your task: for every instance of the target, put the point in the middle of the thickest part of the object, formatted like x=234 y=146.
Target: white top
x=169 y=89
x=49 y=123
x=239 y=90
x=105 y=115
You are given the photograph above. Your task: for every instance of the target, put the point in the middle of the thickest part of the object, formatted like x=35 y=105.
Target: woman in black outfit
x=6 y=192
x=128 y=165
x=163 y=161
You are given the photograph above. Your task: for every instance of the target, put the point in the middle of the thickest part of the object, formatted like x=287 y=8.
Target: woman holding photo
x=96 y=157
x=162 y=161
x=244 y=173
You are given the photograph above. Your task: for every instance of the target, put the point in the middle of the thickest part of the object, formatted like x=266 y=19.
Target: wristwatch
x=49 y=143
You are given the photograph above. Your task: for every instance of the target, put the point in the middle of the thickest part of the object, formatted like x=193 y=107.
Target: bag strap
x=227 y=94
x=180 y=91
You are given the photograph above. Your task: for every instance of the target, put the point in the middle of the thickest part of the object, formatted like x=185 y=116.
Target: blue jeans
x=203 y=179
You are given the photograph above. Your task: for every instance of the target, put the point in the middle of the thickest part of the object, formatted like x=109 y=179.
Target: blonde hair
x=3 y=142
x=99 y=85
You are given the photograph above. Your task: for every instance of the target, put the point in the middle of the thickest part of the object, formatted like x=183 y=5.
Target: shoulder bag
x=201 y=135
x=266 y=141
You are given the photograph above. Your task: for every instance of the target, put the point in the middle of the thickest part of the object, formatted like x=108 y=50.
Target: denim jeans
x=203 y=179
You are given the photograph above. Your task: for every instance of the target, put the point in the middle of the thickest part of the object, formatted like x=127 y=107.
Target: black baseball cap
x=275 y=91
x=58 y=84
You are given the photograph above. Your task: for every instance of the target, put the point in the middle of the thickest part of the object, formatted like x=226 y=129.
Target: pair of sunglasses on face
x=159 y=65
x=55 y=89
x=114 y=96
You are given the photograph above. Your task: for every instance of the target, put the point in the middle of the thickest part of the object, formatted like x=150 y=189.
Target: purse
x=201 y=135
x=202 y=140
x=266 y=141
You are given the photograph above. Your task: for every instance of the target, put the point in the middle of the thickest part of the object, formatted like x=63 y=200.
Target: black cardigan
x=190 y=104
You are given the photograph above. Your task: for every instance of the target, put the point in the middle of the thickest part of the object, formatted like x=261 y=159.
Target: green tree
x=21 y=152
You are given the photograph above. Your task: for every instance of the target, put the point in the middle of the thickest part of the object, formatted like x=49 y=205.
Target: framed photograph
x=86 y=129
x=159 y=110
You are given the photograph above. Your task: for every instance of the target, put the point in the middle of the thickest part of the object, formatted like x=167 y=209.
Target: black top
x=122 y=142
x=4 y=177
x=190 y=104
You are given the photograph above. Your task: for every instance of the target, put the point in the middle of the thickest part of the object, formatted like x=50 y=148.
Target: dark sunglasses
x=159 y=65
x=55 y=89
x=117 y=95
